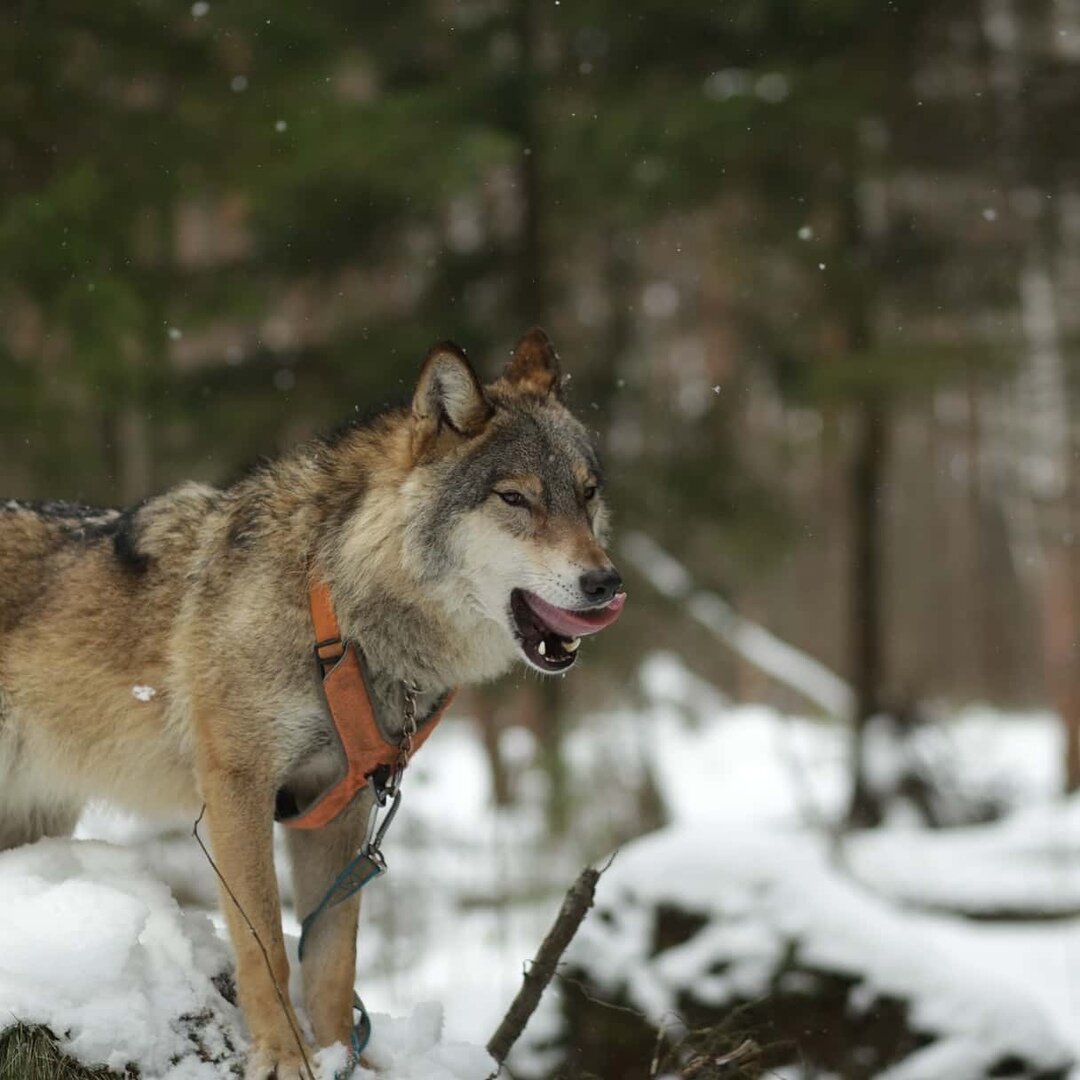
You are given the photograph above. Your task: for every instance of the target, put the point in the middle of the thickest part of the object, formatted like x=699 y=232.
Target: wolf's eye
x=512 y=498
x=589 y=492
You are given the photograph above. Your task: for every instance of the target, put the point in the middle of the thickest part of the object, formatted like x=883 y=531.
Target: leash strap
x=366 y=866
x=361 y=869
x=361 y=1034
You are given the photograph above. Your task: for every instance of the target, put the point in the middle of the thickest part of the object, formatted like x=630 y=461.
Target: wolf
x=160 y=657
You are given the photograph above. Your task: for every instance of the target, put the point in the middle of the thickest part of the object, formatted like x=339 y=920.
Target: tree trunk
x=531 y=276
x=866 y=644
x=866 y=622
x=486 y=704
x=1062 y=674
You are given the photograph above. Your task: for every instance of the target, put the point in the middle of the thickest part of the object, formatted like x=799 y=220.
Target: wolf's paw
x=267 y=1063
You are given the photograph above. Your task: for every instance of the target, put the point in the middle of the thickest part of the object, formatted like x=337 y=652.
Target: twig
x=539 y=973
x=654 y=1067
x=591 y=998
x=283 y=1001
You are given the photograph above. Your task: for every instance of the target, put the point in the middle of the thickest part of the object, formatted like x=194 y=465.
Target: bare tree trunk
x=1059 y=621
x=532 y=284
x=486 y=704
x=866 y=624
x=864 y=219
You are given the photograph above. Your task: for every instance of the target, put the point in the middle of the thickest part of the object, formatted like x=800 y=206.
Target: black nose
x=599 y=586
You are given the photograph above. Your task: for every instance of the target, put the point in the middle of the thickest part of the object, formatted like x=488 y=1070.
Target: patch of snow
x=412 y=1050
x=95 y=948
x=1029 y=863
x=764 y=890
x=92 y=946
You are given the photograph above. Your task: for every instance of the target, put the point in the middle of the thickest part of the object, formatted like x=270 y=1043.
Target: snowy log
x=783 y=662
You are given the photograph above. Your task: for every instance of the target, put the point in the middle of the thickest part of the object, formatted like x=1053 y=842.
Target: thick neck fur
x=354 y=506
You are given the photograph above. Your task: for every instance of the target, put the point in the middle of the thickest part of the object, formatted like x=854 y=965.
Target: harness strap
x=366 y=748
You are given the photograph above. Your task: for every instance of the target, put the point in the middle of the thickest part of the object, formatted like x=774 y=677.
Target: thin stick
x=654 y=1067
x=539 y=973
x=258 y=941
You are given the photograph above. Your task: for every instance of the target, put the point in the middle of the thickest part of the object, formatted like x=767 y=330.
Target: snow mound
x=768 y=906
x=412 y=1050
x=96 y=949
x=1025 y=865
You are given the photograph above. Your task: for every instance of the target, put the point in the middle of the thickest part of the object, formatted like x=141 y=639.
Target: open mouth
x=549 y=636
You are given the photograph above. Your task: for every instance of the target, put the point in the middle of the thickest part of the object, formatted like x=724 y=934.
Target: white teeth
x=542 y=648
x=571 y=644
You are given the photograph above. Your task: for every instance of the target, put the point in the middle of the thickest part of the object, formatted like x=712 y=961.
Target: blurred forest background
x=811 y=265
x=813 y=268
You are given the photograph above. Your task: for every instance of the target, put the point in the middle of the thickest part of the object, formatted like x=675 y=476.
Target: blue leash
x=366 y=866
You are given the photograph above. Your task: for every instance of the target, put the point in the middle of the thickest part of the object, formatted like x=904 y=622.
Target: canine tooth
x=542 y=648
x=571 y=644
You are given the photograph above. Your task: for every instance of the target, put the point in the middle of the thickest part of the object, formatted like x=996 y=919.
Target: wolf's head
x=505 y=502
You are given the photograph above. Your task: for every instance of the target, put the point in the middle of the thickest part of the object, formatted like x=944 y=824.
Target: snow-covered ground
x=762 y=894
x=471 y=891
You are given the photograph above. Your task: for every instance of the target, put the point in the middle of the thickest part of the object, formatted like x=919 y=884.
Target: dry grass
x=31 y=1053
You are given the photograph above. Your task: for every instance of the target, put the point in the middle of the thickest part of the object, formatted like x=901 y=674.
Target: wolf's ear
x=448 y=395
x=534 y=367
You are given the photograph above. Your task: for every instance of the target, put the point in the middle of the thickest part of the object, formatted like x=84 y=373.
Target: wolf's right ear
x=448 y=395
x=534 y=365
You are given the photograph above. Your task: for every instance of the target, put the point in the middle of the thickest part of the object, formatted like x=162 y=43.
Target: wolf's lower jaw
x=558 y=665
x=545 y=650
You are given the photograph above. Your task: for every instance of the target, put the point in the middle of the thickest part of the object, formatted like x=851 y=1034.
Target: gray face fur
x=528 y=440
x=470 y=540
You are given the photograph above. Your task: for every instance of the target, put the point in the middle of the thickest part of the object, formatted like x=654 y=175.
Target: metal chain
x=409 y=729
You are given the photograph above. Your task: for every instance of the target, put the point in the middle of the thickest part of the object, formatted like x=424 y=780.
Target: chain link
x=409 y=728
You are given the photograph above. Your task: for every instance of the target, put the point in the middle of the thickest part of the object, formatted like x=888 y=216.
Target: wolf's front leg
x=240 y=817
x=329 y=964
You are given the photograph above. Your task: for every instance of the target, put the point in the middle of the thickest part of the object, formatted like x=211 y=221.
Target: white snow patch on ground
x=1027 y=864
x=764 y=890
x=92 y=946
x=97 y=949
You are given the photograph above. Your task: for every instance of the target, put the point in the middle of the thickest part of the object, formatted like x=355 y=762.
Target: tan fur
x=199 y=598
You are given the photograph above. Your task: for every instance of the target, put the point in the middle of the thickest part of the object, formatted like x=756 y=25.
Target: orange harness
x=366 y=748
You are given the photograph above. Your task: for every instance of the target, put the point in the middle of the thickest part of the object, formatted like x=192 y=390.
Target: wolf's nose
x=600 y=586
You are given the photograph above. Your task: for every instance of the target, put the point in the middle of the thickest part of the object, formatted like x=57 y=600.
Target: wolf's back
x=32 y=537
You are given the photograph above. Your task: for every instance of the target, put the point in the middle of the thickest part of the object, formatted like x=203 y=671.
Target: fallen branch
x=780 y=661
x=539 y=973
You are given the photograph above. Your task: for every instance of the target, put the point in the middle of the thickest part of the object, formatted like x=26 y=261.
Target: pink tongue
x=575 y=623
